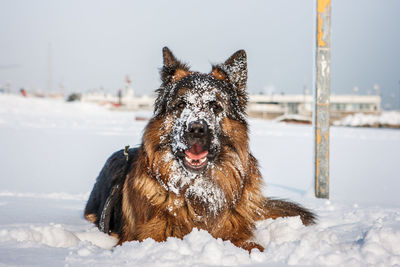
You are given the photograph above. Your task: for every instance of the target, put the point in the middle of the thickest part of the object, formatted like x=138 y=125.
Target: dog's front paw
x=250 y=245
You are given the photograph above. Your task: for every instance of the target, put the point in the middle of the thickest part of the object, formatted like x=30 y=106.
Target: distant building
x=273 y=106
x=128 y=101
x=124 y=100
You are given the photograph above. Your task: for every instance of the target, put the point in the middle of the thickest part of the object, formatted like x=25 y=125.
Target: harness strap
x=104 y=223
x=126 y=154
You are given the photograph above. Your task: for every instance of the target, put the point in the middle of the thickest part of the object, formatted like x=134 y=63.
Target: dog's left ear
x=173 y=70
x=233 y=70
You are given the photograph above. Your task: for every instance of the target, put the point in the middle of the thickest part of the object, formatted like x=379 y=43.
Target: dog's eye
x=215 y=107
x=180 y=105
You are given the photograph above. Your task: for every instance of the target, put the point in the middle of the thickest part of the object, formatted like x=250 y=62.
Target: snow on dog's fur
x=193 y=168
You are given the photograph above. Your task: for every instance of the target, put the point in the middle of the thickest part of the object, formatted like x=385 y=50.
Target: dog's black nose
x=198 y=128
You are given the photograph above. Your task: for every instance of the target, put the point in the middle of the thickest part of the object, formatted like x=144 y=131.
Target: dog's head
x=195 y=105
x=197 y=142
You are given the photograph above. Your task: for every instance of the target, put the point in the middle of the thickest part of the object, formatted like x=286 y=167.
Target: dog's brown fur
x=151 y=210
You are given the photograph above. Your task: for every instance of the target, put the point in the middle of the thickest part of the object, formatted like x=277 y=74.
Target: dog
x=193 y=168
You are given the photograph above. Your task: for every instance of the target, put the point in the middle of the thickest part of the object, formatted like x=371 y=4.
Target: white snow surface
x=51 y=153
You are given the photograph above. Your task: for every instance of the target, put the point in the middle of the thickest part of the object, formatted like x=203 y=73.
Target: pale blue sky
x=97 y=43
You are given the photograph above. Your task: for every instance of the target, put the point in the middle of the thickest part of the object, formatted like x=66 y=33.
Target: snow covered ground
x=51 y=153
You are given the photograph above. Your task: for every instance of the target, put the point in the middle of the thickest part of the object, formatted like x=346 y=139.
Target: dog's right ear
x=173 y=70
x=234 y=70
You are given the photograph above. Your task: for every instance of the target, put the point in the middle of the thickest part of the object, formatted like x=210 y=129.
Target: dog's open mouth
x=196 y=157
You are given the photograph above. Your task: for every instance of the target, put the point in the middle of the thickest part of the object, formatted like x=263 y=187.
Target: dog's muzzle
x=197 y=137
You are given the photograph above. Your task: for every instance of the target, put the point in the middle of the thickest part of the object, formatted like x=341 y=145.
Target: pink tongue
x=196 y=152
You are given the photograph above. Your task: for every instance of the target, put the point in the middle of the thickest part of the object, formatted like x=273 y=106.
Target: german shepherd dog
x=193 y=167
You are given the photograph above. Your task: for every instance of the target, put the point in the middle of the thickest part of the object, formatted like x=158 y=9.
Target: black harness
x=115 y=194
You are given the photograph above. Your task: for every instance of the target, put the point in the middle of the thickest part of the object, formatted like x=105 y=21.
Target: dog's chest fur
x=155 y=211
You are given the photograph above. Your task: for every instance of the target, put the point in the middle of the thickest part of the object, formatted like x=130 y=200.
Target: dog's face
x=197 y=107
x=194 y=106
x=196 y=141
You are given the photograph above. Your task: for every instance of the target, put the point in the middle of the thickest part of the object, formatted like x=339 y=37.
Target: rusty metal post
x=321 y=99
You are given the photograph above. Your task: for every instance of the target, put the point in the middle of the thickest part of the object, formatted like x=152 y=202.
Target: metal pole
x=321 y=99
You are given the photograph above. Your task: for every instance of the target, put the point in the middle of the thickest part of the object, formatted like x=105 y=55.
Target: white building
x=273 y=106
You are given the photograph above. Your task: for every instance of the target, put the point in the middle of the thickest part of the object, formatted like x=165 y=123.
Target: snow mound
x=361 y=239
x=55 y=235
x=286 y=241
x=385 y=119
x=198 y=248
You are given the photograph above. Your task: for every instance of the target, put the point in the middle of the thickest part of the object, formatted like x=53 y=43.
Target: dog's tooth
x=195 y=162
